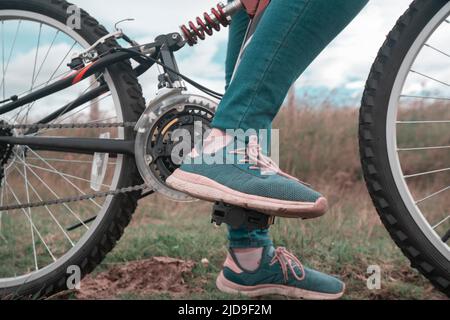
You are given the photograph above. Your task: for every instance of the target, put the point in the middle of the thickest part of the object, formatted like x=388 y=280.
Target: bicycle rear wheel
x=38 y=245
x=405 y=139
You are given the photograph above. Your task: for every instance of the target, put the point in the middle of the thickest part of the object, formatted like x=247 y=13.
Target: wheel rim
x=7 y=16
x=399 y=121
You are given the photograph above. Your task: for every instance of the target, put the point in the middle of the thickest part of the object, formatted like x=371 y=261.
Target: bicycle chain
x=86 y=197
x=40 y=126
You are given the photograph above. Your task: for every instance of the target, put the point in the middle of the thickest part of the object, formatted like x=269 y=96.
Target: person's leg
x=238 y=29
x=290 y=36
x=249 y=268
x=242 y=239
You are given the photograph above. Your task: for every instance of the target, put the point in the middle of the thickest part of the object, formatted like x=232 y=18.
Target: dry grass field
x=318 y=145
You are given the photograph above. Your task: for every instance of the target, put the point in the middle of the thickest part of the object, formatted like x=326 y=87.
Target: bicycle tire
x=119 y=213
x=374 y=152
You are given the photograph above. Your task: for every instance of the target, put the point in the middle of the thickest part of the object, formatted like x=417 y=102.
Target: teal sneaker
x=254 y=182
x=280 y=273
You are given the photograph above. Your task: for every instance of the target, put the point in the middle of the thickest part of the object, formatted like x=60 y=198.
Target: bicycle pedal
x=237 y=217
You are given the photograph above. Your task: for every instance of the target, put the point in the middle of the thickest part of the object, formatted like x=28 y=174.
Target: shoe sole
x=206 y=189
x=229 y=287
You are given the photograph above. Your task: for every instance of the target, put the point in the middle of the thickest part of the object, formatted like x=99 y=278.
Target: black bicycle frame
x=162 y=49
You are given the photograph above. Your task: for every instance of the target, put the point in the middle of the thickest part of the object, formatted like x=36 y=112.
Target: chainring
x=158 y=150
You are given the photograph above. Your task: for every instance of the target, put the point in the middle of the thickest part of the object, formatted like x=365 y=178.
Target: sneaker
x=280 y=273
x=253 y=182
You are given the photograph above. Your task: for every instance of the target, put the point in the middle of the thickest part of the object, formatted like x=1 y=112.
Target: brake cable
x=195 y=84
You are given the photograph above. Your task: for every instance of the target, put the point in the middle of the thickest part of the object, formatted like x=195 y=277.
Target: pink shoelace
x=253 y=154
x=285 y=259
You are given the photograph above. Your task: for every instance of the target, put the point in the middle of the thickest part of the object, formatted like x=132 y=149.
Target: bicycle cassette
x=168 y=130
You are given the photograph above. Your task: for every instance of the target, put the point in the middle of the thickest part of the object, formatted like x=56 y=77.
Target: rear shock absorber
x=203 y=26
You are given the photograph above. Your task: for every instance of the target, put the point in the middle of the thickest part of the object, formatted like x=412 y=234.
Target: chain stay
x=77 y=198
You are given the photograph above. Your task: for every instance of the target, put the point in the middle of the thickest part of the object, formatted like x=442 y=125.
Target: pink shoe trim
x=230 y=264
x=229 y=287
x=206 y=189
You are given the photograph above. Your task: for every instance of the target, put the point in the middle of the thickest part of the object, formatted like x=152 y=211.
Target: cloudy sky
x=344 y=65
x=338 y=75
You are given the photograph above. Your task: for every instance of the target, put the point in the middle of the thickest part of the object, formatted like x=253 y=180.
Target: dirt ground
x=159 y=275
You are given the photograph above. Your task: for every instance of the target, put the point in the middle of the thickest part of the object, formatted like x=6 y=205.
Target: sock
x=249 y=259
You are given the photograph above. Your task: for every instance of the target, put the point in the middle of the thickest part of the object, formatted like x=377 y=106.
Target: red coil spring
x=205 y=26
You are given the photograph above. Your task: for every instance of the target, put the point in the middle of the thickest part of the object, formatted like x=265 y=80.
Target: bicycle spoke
x=441 y=222
x=424 y=122
x=30 y=107
x=65 y=175
x=2 y=193
x=61 y=121
x=3 y=57
x=48 y=209
x=433 y=195
x=33 y=227
x=430 y=78
x=423 y=148
x=61 y=62
x=426 y=173
x=36 y=57
x=30 y=216
x=33 y=77
x=3 y=83
x=84 y=109
x=62 y=176
x=425 y=97
x=93 y=83
x=60 y=75
x=55 y=195
x=46 y=55
x=437 y=50
x=39 y=72
x=52 y=76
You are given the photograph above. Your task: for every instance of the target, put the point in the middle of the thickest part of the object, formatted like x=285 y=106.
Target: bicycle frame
x=163 y=47
x=161 y=50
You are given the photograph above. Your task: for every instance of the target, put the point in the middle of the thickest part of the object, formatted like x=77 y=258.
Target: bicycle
x=72 y=176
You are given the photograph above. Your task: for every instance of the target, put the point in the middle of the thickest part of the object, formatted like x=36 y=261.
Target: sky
x=342 y=68
x=338 y=75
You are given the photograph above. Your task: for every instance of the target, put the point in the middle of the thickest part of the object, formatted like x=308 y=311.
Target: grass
x=320 y=147
x=345 y=246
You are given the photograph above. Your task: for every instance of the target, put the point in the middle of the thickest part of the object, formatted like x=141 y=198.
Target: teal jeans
x=291 y=34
